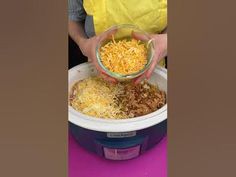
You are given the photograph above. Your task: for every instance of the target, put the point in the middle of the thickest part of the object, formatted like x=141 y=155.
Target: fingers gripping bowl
x=124 y=55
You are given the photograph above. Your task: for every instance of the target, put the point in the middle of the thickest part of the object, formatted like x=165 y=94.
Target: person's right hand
x=88 y=48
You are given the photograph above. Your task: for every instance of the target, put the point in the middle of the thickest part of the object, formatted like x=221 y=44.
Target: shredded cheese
x=95 y=97
x=124 y=56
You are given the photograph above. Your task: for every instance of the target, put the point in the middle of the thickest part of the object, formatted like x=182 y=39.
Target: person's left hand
x=160 y=43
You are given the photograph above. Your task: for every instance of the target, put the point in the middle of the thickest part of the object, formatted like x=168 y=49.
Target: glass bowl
x=121 y=32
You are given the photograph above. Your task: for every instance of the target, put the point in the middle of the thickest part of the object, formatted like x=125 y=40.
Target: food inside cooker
x=124 y=56
x=96 y=97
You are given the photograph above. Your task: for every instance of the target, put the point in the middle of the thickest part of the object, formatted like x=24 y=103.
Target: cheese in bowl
x=123 y=55
x=96 y=97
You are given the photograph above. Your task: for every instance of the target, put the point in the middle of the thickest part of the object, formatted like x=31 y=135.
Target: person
x=89 y=18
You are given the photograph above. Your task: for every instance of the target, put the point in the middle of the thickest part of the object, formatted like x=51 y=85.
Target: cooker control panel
x=121 y=154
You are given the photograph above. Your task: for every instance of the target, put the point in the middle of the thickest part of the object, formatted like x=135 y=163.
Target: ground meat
x=141 y=99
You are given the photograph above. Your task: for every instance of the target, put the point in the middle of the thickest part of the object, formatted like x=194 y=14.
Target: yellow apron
x=148 y=15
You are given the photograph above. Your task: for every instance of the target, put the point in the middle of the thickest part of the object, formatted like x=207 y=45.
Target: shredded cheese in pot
x=124 y=56
x=95 y=97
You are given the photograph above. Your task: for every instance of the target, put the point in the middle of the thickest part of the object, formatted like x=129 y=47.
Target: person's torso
x=149 y=15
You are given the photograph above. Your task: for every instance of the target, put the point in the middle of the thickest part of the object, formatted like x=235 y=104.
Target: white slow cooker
x=118 y=139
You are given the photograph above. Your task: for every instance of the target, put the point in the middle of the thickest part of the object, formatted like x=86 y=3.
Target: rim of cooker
x=119 y=125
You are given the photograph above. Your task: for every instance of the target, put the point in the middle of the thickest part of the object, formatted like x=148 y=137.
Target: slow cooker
x=118 y=139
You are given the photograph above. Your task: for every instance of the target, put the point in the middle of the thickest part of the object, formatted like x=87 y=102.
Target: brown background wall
x=33 y=96
x=201 y=88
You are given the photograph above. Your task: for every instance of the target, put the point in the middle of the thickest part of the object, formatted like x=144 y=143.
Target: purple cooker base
x=119 y=146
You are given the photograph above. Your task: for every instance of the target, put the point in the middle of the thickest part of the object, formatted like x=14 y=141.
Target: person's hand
x=88 y=48
x=160 y=43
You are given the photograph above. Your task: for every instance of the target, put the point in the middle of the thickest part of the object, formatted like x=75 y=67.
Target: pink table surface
x=85 y=164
